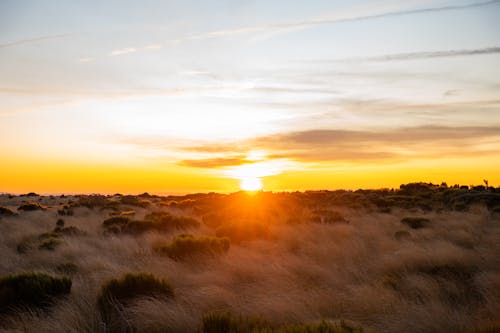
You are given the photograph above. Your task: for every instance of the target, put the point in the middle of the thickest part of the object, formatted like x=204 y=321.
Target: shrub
x=167 y=221
x=328 y=217
x=185 y=246
x=118 y=293
x=67 y=268
x=4 y=211
x=30 y=206
x=60 y=223
x=134 y=201
x=224 y=322
x=416 y=222
x=115 y=221
x=50 y=244
x=156 y=221
x=70 y=231
x=402 y=234
x=31 y=289
x=243 y=230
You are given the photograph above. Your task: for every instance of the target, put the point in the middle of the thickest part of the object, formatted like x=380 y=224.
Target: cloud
x=32 y=40
x=381 y=145
x=430 y=55
x=123 y=51
x=330 y=21
x=215 y=162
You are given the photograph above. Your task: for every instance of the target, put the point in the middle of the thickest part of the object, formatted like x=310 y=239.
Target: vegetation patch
x=67 y=268
x=187 y=246
x=224 y=322
x=402 y=235
x=327 y=217
x=243 y=231
x=50 y=244
x=118 y=293
x=31 y=289
x=30 y=206
x=416 y=222
x=4 y=211
x=155 y=221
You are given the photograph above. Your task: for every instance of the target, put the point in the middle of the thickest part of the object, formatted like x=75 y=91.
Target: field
x=421 y=258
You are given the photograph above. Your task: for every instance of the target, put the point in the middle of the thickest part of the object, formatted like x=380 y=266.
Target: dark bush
x=50 y=243
x=224 y=322
x=134 y=201
x=416 y=222
x=4 y=211
x=115 y=221
x=243 y=231
x=186 y=246
x=156 y=221
x=30 y=206
x=402 y=234
x=31 y=289
x=118 y=293
x=60 y=223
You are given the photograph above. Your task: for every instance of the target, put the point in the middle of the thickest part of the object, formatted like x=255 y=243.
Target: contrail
x=31 y=40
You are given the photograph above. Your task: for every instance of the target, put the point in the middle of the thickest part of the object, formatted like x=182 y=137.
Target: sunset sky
x=189 y=96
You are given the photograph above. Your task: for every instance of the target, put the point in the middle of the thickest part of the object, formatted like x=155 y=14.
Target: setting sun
x=251 y=184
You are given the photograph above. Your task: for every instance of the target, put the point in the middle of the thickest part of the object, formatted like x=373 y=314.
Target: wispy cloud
x=329 y=21
x=123 y=51
x=215 y=162
x=428 y=55
x=32 y=40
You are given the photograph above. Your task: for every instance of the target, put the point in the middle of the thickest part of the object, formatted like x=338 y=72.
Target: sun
x=251 y=184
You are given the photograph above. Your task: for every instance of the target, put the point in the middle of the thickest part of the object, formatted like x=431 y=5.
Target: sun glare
x=251 y=184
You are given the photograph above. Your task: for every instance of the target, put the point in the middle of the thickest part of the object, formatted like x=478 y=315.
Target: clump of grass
x=30 y=206
x=50 y=244
x=67 y=268
x=243 y=230
x=60 y=223
x=155 y=221
x=118 y=293
x=66 y=211
x=31 y=289
x=416 y=222
x=327 y=217
x=4 y=211
x=402 y=234
x=225 y=322
x=133 y=200
x=186 y=246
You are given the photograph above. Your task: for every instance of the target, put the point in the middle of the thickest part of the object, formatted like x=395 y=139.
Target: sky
x=197 y=96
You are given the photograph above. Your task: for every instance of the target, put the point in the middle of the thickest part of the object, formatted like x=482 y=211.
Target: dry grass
x=441 y=278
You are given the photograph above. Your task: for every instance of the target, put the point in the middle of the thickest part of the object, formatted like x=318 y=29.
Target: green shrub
x=186 y=246
x=31 y=289
x=50 y=244
x=118 y=293
x=156 y=221
x=70 y=231
x=416 y=222
x=30 y=206
x=115 y=221
x=4 y=211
